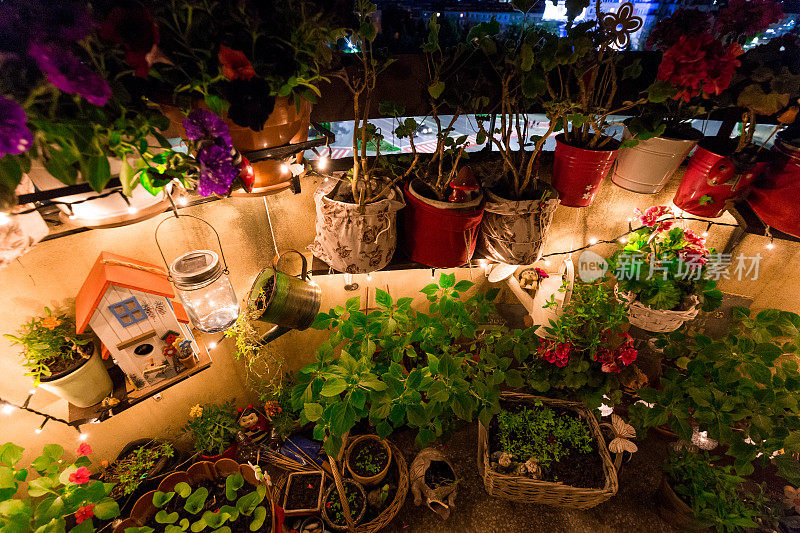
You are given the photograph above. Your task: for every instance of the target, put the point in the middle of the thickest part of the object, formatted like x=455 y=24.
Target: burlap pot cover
x=352 y=240
x=514 y=232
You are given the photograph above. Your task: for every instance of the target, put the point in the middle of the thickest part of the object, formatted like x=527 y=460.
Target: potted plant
x=455 y=373
x=65 y=124
x=538 y=450
x=62 y=496
x=662 y=272
x=213 y=428
x=587 y=64
x=256 y=65
x=304 y=492
x=356 y=230
x=206 y=497
x=721 y=168
x=440 y=193
x=61 y=362
x=587 y=353
x=519 y=207
x=138 y=461
x=738 y=388
x=368 y=459
x=333 y=511
x=696 y=494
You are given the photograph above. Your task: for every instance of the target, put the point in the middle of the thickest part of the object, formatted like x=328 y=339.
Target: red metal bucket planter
x=579 y=172
x=775 y=194
x=438 y=236
x=712 y=178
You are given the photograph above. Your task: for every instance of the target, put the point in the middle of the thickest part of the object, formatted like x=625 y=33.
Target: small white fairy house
x=128 y=304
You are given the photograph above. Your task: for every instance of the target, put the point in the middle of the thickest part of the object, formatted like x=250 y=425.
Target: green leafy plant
x=368 y=463
x=129 y=472
x=662 y=265
x=587 y=351
x=453 y=369
x=740 y=388
x=188 y=509
x=263 y=365
x=333 y=505
x=541 y=434
x=212 y=426
x=716 y=495
x=61 y=491
x=49 y=343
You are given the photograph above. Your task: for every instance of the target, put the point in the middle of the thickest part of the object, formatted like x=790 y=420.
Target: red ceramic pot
x=578 y=172
x=774 y=195
x=440 y=234
x=713 y=178
x=229 y=453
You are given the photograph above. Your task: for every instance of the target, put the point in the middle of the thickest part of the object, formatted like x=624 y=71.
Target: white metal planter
x=647 y=167
x=351 y=239
x=514 y=232
x=85 y=386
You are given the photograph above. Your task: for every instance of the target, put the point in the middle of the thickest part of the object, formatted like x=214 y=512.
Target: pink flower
x=665 y=225
x=83 y=449
x=84 y=513
x=652 y=214
x=80 y=476
x=693 y=239
x=541 y=273
x=557 y=354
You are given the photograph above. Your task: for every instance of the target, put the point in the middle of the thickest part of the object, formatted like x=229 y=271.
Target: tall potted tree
x=519 y=206
x=355 y=214
x=61 y=362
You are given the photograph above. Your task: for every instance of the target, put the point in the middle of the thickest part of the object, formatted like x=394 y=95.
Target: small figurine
x=433 y=476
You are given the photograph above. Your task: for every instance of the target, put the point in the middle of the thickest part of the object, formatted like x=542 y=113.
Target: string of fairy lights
x=8 y=408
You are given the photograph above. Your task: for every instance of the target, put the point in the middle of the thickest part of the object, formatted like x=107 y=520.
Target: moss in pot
x=333 y=511
x=368 y=459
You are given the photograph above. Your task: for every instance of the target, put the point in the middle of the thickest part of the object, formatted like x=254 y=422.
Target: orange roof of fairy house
x=115 y=270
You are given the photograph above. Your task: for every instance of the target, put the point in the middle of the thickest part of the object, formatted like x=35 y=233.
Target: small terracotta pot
x=368 y=480
x=229 y=453
x=579 y=172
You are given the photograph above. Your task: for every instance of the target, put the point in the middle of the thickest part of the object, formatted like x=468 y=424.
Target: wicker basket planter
x=527 y=490
x=389 y=512
x=356 y=515
x=658 y=320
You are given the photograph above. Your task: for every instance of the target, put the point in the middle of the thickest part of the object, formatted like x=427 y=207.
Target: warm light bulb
x=770 y=246
x=83 y=436
x=547 y=262
x=182 y=201
x=31 y=391
x=37 y=430
x=322 y=163
x=705 y=234
x=284 y=168
x=132 y=209
x=623 y=240
x=212 y=345
x=593 y=240
x=8 y=409
x=369 y=277
x=5 y=218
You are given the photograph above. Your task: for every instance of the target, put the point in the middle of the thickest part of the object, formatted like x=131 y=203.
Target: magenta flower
x=217 y=170
x=652 y=214
x=15 y=137
x=202 y=124
x=64 y=70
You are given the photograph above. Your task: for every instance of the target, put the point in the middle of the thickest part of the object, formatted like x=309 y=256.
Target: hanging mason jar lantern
x=202 y=284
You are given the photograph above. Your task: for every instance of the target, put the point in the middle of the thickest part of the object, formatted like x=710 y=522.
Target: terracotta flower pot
x=774 y=194
x=647 y=167
x=579 y=172
x=348 y=460
x=440 y=234
x=229 y=453
x=713 y=178
x=514 y=232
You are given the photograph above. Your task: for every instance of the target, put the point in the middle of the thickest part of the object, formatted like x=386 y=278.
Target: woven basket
x=388 y=514
x=657 y=320
x=527 y=490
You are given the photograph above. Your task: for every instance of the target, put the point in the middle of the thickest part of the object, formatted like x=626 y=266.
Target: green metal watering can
x=289 y=302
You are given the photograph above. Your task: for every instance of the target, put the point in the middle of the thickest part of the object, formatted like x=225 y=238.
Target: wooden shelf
x=399 y=262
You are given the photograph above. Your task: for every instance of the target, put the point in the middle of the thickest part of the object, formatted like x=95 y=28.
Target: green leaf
x=10 y=454
x=705 y=200
x=233 y=483
x=447 y=281
x=10 y=172
x=163 y=517
x=183 y=489
x=106 y=509
x=216 y=104
x=194 y=503
x=333 y=387
x=160 y=499
x=259 y=515
x=436 y=90
x=312 y=411
x=99 y=172
x=383 y=299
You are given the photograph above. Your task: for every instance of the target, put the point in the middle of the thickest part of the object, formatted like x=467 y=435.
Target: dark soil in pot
x=265 y=295
x=342 y=192
x=332 y=506
x=574 y=469
x=303 y=493
x=489 y=171
x=60 y=367
x=439 y=474
x=365 y=452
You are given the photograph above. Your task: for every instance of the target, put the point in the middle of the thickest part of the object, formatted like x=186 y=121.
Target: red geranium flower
x=83 y=449
x=235 y=65
x=699 y=64
x=746 y=18
x=84 y=513
x=80 y=476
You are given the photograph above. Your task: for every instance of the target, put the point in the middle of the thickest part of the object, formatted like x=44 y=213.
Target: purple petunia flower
x=15 y=137
x=64 y=70
x=217 y=170
x=202 y=124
